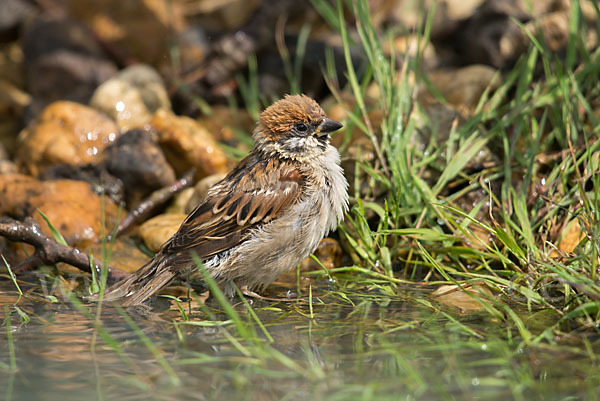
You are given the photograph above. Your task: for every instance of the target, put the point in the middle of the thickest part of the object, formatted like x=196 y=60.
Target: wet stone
x=64 y=133
x=140 y=163
x=71 y=206
x=132 y=96
x=96 y=175
x=188 y=144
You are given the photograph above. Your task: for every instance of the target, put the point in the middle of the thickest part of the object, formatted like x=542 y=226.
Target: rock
x=491 y=36
x=135 y=30
x=96 y=175
x=188 y=144
x=8 y=167
x=449 y=14
x=468 y=299
x=223 y=15
x=224 y=121
x=11 y=64
x=159 y=229
x=132 y=96
x=13 y=102
x=180 y=202
x=463 y=87
x=124 y=254
x=554 y=28
x=329 y=252
x=201 y=190
x=64 y=133
x=12 y=15
x=140 y=163
x=412 y=45
x=70 y=206
x=193 y=48
x=63 y=62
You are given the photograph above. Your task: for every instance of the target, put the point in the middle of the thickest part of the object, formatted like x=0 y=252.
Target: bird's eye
x=301 y=127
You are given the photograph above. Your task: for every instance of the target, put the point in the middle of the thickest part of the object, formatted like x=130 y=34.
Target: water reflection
x=371 y=347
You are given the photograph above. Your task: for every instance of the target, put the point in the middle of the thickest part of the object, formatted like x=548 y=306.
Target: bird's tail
x=141 y=285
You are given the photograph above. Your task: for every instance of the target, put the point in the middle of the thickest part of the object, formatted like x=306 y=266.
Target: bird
x=268 y=213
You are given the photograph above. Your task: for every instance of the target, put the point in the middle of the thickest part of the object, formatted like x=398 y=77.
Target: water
x=371 y=346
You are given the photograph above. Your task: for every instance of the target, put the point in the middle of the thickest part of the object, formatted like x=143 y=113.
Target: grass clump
x=525 y=221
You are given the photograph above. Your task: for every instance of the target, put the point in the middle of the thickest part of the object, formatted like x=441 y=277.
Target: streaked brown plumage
x=265 y=216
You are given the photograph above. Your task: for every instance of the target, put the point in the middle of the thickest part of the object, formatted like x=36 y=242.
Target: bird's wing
x=254 y=193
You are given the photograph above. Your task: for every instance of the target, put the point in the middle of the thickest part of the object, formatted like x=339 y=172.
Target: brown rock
x=224 y=121
x=188 y=144
x=140 y=163
x=63 y=61
x=463 y=87
x=223 y=15
x=65 y=132
x=124 y=254
x=467 y=299
x=13 y=102
x=193 y=49
x=70 y=206
x=96 y=175
x=132 y=96
x=201 y=190
x=329 y=252
x=159 y=229
x=135 y=29
x=11 y=64
x=554 y=28
x=180 y=202
x=8 y=167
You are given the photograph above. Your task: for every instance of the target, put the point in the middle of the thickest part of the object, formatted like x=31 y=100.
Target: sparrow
x=270 y=212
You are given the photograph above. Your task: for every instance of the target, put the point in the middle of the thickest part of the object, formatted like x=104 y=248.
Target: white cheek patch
x=300 y=143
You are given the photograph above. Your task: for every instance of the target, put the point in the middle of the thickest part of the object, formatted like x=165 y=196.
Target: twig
x=155 y=200
x=47 y=250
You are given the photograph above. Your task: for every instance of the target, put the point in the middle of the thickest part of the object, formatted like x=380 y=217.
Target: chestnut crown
x=294 y=125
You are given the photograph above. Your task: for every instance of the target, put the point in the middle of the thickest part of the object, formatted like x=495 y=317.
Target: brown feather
x=233 y=207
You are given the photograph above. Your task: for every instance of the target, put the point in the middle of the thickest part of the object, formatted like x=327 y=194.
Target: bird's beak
x=327 y=126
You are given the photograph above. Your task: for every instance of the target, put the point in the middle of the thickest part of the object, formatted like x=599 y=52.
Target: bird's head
x=294 y=127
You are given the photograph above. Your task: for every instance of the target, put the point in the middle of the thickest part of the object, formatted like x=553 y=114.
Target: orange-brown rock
x=65 y=132
x=136 y=29
x=124 y=255
x=71 y=206
x=186 y=144
x=158 y=229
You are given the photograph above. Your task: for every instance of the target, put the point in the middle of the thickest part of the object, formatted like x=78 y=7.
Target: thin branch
x=47 y=250
x=155 y=200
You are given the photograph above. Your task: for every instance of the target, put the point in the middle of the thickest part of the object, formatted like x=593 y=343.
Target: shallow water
x=372 y=346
